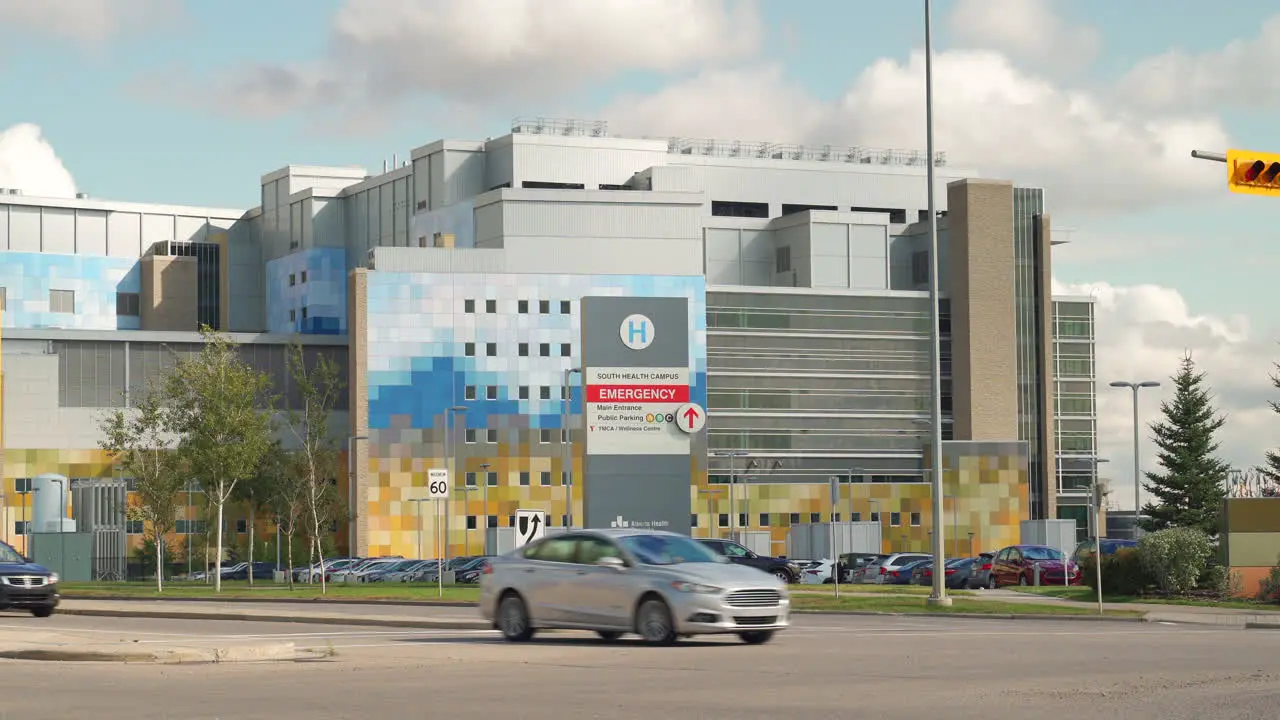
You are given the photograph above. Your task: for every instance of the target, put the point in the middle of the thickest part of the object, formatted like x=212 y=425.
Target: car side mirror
x=615 y=563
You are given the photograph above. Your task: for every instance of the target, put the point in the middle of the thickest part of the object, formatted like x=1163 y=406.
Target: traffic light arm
x=1206 y=155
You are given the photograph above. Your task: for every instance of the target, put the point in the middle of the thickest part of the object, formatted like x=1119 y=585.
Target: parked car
x=1016 y=565
x=26 y=585
x=860 y=573
x=659 y=585
x=780 y=568
x=888 y=569
x=817 y=572
x=261 y=571
x=902 y=574
x=980 y=574
x=958 y=572
x=1110 y=546
x=387 y=572
x=850 y=563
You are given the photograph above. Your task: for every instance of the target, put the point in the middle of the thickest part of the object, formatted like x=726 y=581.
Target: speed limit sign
x=438 y=484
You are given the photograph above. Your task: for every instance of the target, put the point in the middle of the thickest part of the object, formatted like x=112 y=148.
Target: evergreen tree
x=1190 y=489
x=1271 y=471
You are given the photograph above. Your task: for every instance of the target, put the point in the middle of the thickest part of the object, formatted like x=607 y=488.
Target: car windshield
x=9 y=555
x=668 y=550
x=1041 y=553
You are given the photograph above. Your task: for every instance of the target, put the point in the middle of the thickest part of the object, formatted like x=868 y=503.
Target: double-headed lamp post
x=566 y=444
x=1098 y=530
x=1135 y=386
x=733 y=507
x=484 y=500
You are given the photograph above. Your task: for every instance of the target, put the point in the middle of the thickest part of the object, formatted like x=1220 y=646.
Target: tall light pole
x=1097 y=530
x=353 y=511
x=733 y=480
x=1137 y=461
x=566 y=445
x=484 y=500
x=26 y=524
x=450 y=444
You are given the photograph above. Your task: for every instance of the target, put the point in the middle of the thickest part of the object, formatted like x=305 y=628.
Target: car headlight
x=53 y=579
x=691 y=587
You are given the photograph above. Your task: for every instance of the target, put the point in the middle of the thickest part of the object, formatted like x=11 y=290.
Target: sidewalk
x=73 y=646
x=396 y=616
x=1157 y=612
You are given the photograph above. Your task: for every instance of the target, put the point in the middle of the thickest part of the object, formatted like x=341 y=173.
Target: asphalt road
x=825 y=667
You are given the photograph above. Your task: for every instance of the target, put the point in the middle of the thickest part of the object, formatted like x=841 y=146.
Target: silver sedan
x=661 y=586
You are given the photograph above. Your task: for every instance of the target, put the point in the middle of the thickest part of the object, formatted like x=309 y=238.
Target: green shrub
x=1269 y=586
x=1176 y=558
x=1219 y=580
x=1123 y=573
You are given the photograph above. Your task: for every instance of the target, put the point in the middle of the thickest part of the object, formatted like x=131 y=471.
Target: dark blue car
x=26 y=585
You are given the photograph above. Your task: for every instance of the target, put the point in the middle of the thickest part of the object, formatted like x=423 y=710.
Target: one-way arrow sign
x=691 y=418
x=531 y=525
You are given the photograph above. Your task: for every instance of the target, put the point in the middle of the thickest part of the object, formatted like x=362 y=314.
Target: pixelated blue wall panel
x=307 y=292
x=433 y=344
x=88 y=285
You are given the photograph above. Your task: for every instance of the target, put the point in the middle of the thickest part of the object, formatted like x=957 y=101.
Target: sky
x=1098 y=102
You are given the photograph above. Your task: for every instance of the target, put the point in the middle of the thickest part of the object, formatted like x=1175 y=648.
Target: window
x=896 y=215
x=544 y=392
x=566 y=349
x=472 y=522
x=922 y=215
x=491 y=306
x=22 y=485
x=835 y=517
x=920 y=267
x=855 y=517
x=524 y=478
x=304 y=276
x=469 y=392
x=791 y=209
x=522 y=307
x=293 y=315
x=133 y=527
x=491 y=521
x=736 y=550
x=304 y=312
x=915 y=519
x=794 y=518
x=293 y=280
x=544 y=306
x=693 y=520
x=544 y=349
x=491 y=349
x=895 y=519
x=564 y=393
x=471 y=479
x=564 y=435
x=4 y=298
x=62 y=301
x=566 y=307
x=127 y=304
x=491 y=436
x=742 y=520
x=815 y=518
x=524 y=392
x=469 y=349
x=242 y=526
x=544 y=436
x=20 y=527
x=722 y=520
x=875 y=517
x=524 y=349
x=469 y=436
x=491 y=392
x=764 y=519
x=511 y=521
x=591 y=550
x=564 y=521
x=725 y=208
x=469 y=306
x=565 y=478
x=544 y=478
x=491 y=480
x=782 y=259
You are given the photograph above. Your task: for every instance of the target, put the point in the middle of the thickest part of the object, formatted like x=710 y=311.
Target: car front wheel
x=654 y=623
x=42 y=612
x=783 y=575
x=756 y=637
x=513 y=619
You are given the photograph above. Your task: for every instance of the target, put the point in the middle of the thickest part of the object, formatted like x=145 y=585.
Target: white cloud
x=1143 y=333
x=485 y=51
x=85 y=20
x=28 y=162
x=1031 y=31
x=1241 y=73
x=989 y=116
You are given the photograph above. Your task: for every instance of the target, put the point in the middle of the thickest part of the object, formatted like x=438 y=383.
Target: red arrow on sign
x=691 y=415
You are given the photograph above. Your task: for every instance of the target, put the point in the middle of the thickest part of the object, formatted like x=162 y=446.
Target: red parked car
x=1016 y=565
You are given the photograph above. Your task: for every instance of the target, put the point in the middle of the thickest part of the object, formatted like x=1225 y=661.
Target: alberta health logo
x=621 y=522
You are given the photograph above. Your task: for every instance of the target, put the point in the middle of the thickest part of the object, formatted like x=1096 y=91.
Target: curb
x=420 y=624
x=279 y=601
x=275 y=652
x=977 y=616
x=1262 y=626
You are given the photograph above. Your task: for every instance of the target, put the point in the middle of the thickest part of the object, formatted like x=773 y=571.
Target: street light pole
x=484 y=500
x=450 y=446
x=353 y=511
x=566 y=445
x=1097 y=530
x=1137 y=461
x=939 y=595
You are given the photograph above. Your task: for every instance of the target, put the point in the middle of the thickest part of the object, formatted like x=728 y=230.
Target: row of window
x=64 y=302
x=522 y=306
x=522 y=349
x=525 y=477
x=731 y=208
x=471 y=436
x=294 y=278
x=293 y=314
x=472 y=392
x=786 y=519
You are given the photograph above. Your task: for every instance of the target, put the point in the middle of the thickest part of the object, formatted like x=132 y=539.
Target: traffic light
x=1253 y=173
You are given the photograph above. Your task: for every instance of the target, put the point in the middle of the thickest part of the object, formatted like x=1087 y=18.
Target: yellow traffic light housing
x=1253 y=173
